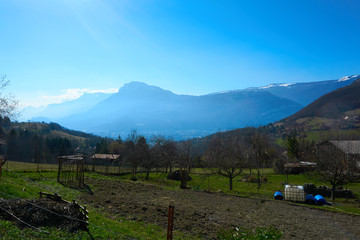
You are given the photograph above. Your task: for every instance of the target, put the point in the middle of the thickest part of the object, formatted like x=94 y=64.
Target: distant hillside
x=51 y=130
x=61 y=110
x=41 y=142
x=338 y=109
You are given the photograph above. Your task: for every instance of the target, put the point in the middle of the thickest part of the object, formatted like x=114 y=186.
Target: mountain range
x=152 y=110
x=306 y=92
x=338 y=109
x=60 y=110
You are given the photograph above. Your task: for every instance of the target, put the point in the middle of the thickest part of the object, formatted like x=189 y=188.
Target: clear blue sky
x=186 y=46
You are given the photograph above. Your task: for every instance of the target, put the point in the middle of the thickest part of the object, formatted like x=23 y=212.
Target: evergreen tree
x=293 y=151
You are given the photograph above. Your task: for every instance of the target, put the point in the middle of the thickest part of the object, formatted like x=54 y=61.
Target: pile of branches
x=42 y=213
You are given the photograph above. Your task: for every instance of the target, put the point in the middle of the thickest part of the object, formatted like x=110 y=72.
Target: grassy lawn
x=29 y=166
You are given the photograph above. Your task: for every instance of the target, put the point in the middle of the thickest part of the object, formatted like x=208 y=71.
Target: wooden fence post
x=59 y=169
x=170 y=223
x=2 y=163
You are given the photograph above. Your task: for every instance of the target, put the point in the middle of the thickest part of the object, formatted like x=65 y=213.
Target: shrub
x=176 y=176
x=252 y=179
x=264 y=179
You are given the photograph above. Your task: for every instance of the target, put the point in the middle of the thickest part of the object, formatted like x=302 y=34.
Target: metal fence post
x=170 y=223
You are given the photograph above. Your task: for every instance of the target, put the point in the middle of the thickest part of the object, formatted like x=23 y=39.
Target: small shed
x=105 y=161
x=299 y=167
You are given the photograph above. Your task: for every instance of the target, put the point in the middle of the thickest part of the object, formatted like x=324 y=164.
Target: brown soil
x=205 y=214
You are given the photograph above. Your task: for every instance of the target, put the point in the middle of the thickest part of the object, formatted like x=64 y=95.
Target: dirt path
x=206 y=213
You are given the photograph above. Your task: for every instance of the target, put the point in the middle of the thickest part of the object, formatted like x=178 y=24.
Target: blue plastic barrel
x=320 y=200
x=310 y=199
x=278 y=195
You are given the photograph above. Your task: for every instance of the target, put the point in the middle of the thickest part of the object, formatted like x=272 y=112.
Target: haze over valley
x=155 y=111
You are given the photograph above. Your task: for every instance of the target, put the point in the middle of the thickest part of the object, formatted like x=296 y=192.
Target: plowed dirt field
x=205 y=214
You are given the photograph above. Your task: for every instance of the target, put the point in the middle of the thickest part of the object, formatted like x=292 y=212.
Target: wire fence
x=97 y=167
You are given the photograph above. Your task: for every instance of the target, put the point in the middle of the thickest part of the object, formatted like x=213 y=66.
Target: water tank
x=294 y=193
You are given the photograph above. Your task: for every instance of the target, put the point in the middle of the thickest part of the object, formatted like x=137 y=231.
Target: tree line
x=228 y=155
x=26 y=147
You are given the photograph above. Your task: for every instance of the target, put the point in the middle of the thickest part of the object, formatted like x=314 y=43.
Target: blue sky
x=56 y=50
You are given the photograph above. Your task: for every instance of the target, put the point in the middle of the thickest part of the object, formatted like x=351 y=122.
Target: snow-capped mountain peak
x=277 y=85
x=268 y=86
x=347 y=78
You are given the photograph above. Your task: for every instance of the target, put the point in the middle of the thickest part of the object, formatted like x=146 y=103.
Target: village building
x=106 y=160
x=350 y=149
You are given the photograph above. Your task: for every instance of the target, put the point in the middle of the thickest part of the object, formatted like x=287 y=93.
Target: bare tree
x=334 y=166
x=143 y=155
x=8 y=102
x=165 y=151
x=261 y=151
x=226 y=155
x=8 y=106
x=133 y=136
x=130 y=151
x=306 y=148
x=185 y=161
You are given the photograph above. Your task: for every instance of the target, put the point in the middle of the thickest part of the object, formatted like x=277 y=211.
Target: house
x=350 y=148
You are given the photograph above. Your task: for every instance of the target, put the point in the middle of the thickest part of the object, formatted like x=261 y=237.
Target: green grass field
x=29 y=166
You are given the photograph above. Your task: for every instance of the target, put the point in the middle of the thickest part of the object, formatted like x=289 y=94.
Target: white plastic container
x=294 y=193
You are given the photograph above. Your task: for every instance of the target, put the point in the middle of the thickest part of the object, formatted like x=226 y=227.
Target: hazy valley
x=154 y=111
